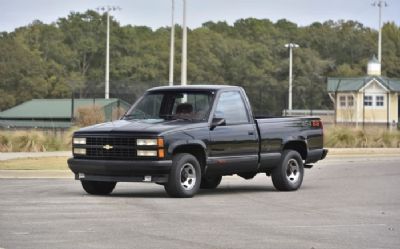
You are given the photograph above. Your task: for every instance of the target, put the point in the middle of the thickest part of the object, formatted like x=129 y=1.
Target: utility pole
x=184 y=47
x=380 y=4
x=290 y=46
x=172 y=45
x=107 y=9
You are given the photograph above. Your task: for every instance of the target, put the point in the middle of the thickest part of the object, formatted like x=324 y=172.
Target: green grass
x=41 y=163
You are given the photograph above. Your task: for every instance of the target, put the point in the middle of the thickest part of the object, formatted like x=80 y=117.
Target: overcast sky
x=156 y=13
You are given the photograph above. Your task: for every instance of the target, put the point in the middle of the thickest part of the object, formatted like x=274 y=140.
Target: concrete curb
x=363 y=151
x=24 y=174
x=16 y=155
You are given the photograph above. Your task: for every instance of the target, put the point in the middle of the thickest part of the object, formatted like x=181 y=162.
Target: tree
x=52 y=60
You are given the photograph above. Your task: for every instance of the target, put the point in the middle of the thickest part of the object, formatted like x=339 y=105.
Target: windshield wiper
x=174 y=117
x=134 y=116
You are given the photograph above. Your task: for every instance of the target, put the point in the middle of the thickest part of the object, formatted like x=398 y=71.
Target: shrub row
x=369 y=137
x=34 y=141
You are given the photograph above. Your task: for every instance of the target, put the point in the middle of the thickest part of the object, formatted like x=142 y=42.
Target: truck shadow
x=221 y=190
x=225 y=190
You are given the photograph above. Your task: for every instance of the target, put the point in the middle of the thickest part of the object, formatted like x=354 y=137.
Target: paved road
x=344 y=203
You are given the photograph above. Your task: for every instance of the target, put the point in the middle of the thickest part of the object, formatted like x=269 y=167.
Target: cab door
x=234 y=145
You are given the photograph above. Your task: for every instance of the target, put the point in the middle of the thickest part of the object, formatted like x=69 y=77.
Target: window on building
x=346 y=101
x=379 y=100
x=350 y=101
x=342 y=100
x=368 y=100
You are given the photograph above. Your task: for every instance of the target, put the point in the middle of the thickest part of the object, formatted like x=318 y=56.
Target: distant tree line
x=53 y=60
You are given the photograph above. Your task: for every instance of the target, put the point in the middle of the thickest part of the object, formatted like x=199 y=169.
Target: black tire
x=185 y=176
x=288 y=175
x=210 y=182
x=98 y=188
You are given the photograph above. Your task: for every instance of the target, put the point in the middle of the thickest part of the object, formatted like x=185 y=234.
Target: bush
x=5 y=142
x=370 y=137
x=89 y=115
x=34 y=141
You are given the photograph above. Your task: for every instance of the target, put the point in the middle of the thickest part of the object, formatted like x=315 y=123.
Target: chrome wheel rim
x=292 y=171
x=188 y=176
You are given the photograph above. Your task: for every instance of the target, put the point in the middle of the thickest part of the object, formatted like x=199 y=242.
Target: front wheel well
x=195 y=150
x=298 y=146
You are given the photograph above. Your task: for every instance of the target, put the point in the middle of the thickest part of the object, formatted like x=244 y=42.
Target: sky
x=157 y=13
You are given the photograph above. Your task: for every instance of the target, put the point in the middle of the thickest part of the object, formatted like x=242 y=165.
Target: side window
x=231 y=107
x=368 y=100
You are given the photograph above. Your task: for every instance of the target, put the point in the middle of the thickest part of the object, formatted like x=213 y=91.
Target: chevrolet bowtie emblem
x=107 y=147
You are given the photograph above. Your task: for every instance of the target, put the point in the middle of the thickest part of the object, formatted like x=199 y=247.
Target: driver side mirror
x=217 y=122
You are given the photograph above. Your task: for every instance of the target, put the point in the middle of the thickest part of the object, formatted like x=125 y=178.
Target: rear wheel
x=288 y=176
x=185 y=176
x=98 y=188
x=210 y=182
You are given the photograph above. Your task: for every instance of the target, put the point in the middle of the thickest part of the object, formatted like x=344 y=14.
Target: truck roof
x=192 y=87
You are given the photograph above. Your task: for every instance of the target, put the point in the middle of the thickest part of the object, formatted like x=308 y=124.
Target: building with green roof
x=54 y=113
x=372 y=99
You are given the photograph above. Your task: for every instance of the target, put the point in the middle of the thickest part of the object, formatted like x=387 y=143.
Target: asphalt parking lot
x=345 y=202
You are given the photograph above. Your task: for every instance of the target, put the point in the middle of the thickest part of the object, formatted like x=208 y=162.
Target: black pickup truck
x=188 y=137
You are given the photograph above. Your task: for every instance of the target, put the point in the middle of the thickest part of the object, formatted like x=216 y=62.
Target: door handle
x=251 y=133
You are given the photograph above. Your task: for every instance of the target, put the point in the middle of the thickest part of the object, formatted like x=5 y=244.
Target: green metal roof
x=53 y=108
x=356 y=83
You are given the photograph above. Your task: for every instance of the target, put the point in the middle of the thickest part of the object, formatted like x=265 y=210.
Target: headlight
x=146 y=142
x=80 y=151
x=147 y=153
x=79 y=140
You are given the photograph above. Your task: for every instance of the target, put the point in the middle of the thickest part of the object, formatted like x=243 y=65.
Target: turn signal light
x=161 y=153
x=160 y=142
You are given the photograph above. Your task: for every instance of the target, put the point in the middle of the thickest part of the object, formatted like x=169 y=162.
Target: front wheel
x=98 y=188
x=185 y=176
x=288 y=175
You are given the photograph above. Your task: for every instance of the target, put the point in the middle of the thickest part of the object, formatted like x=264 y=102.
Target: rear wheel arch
x=299 y=146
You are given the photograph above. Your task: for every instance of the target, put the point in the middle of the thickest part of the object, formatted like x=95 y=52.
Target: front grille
x=114 y=141
x=109 y=148
x=114 y=153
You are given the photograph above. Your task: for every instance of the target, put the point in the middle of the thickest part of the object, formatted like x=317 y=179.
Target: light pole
x=171 y=54
x=184 y=47
x=380 y=4
x=107 y=9
x=290 y=46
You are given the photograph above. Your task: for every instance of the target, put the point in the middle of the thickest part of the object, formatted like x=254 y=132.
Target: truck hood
x=142 y=127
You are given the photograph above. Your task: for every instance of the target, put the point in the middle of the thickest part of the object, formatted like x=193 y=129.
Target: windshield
x=194 y=106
